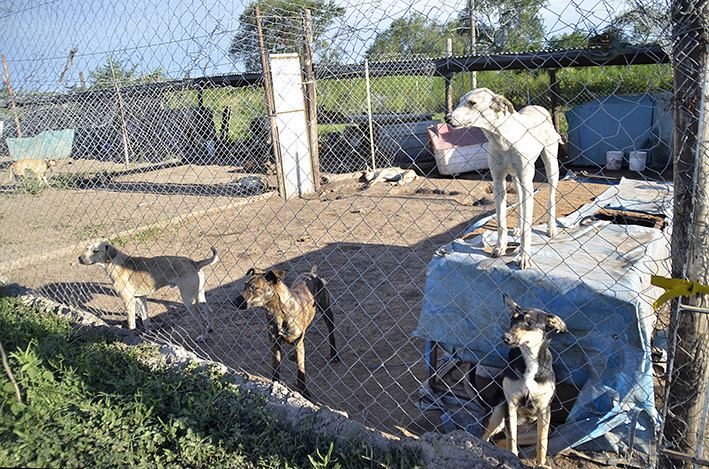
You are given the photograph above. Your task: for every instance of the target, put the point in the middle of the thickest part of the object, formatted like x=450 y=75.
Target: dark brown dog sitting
x=290 y=312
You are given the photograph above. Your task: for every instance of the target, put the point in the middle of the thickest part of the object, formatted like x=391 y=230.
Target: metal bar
x=684 y=457
x=693 y=309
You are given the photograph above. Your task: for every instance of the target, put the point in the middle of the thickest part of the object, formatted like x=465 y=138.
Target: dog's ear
x=274 y=276
x=511 y=307
x=111 y=251
x=250 y=272
x=502 y=104
x=555 y=323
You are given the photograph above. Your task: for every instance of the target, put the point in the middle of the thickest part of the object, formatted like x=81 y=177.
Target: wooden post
x=686 y=393
x=224 y=129
x=311 y=112
x=124 y=130
x=12 y=97
x=270 y=107
x=449 y=77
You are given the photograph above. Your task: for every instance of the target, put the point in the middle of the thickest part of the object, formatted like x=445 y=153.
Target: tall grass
x=89 y=400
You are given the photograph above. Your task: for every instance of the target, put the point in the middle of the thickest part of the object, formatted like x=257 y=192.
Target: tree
x=282 y=26
x=409 y=36
x=643 y=24
x=504 y=25
x=116 y=72
x=577 y=39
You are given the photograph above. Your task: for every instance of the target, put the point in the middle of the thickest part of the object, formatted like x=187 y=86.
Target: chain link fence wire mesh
x=165 y=144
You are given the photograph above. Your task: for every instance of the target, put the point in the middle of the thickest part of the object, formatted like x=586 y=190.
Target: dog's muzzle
x=509 y=340
x=83 y=261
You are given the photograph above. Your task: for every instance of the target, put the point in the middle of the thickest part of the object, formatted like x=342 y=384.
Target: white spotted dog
x=517 y=140
x=528 y=382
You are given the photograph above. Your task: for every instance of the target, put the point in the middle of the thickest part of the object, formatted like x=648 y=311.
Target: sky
x=192 y=37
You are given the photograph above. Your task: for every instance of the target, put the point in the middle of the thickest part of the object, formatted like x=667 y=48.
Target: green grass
x=92 y=401
x=138 y=237
x=80 y=180
x=29 y=185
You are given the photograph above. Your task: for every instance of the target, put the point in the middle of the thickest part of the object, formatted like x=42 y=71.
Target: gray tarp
x=596 y=276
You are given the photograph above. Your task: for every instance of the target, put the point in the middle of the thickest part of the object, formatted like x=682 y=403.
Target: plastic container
x=614 y=160
x=637 y=160
x=458 y=150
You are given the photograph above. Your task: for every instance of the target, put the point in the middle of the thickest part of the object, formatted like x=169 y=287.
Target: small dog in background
x=38 y=167
x=134 y=278
x=528 y=382
x=517 y=140
x=289 y=313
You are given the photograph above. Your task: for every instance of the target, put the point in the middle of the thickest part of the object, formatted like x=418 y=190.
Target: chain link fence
x=165 y=144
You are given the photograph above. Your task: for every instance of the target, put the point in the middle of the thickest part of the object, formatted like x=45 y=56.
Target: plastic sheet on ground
x=596 y=276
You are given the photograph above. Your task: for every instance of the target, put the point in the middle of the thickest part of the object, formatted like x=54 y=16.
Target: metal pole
x=473 y=44
x=449 y=77
x=369 y=115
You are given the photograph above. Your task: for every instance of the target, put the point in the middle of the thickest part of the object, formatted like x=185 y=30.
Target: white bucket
x=637 y=160
x=614 y=159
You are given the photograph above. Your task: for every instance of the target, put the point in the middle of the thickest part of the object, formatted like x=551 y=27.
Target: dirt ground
x=372 y=244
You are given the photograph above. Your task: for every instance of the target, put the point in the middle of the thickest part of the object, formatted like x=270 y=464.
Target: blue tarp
x=596 y=276
x=622 y=123
x=52 y=144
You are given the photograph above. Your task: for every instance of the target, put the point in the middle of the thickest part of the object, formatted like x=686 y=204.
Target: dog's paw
x=499 y=251
x=524 y=262
x=552 y=230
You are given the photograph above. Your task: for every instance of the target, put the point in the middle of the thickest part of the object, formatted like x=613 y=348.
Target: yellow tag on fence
x=676 y=287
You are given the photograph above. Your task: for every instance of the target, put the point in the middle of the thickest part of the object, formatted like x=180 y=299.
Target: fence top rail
x=47 y=99
x=441 y=67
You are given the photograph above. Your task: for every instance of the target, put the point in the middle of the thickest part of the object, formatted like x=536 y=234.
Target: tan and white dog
x=517 y=140
x=38 y=167
x=134 y=278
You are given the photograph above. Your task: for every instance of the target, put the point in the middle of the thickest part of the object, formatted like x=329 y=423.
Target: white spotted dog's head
x=480 y=108
x=98 y=253
x=529 y=327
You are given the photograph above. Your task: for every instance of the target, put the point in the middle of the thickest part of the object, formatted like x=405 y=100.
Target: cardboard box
x=458 y=150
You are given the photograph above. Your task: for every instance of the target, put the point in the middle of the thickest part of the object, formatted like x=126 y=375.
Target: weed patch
x=89 y=400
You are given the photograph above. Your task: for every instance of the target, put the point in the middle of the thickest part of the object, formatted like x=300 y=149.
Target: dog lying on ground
x=528 y=381
x=289 y=313
x=136 y=277
x=38 y=167
x=517 y=140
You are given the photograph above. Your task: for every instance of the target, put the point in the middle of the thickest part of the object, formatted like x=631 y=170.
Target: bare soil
x=372 y=244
